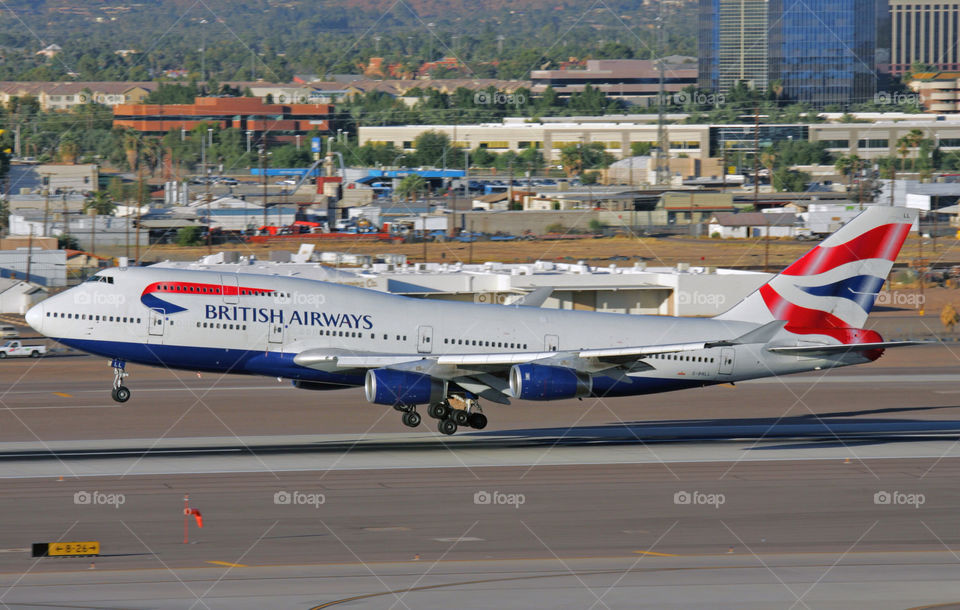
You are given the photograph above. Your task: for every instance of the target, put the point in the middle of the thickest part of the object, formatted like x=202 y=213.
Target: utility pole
x=46 y=208
x=139 y=203
x=29 y=252
x=663 y=141
x=263 y=176
x=756 y=185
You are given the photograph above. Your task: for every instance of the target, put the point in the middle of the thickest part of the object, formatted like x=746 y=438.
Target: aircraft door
x=425 y=339
x=551 y=343
x=231 y=288
x=156 y=323
x=275 y=336
x=726 y=360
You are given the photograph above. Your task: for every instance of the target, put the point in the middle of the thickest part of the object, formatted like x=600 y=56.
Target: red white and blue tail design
x=831 y=290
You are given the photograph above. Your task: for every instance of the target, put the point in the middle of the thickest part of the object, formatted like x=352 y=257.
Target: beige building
x=937 y=91
x=66 y=95
x=925 y=32
x=694 y=148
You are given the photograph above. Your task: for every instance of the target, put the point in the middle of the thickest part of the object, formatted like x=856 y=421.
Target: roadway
x=587 y=499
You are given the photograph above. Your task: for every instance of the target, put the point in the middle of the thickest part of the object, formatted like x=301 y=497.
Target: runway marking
x=655 y=554
x=279 y=386
x=63 y=407
x=228 y=564
x=467 y=539
x=64 y=394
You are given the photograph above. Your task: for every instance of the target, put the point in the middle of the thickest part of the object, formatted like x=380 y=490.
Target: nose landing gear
x=120 y=392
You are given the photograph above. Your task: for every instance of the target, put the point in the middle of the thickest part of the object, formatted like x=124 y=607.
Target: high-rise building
x=817 y=51
x=924 y=32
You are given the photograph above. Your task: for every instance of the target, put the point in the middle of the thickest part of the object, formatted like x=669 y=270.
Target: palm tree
x=4 y=214
x=131 y=146
x=846 y=165
x=152 y=152
x=69 y=149
x=912 y=140
x=411 y=186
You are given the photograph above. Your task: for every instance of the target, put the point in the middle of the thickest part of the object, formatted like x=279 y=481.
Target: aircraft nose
x=35 y=317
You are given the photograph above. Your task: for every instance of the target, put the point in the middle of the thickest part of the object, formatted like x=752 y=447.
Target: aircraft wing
x=486 y=374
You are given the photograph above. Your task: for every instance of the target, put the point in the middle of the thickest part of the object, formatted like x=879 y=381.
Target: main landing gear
x=449 y=418
x=120 y=392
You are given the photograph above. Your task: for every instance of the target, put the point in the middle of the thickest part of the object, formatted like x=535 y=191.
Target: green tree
x=188 y=236
x=290 y=156
x=790 y=180
x=411 y=186
x=4 y=214
x=846 y=165
x=99 y=202
x=172 y=93
x=431 y=148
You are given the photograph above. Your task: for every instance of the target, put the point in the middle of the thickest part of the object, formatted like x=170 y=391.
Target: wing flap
x=814 y=350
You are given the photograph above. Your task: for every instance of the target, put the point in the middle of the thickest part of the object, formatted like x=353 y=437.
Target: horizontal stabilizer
x=762 y=334
x=815 y=350
x=535 y=298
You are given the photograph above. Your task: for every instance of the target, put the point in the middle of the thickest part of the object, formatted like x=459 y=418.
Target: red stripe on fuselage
x=199 y=288
x=882 y=242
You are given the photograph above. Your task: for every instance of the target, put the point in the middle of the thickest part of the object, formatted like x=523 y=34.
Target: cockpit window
x=106 y=279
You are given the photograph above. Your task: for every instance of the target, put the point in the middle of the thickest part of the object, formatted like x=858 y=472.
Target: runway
x=832 y=490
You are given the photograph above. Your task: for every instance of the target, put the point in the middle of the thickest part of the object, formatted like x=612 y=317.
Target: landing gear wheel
x=447 y=426
x=438 y=411
x=120 y=394
x=411 y=419
x=460 y=416
x=477 y=421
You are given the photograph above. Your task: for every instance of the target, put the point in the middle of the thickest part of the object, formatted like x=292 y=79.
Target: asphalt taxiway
x=833 y=489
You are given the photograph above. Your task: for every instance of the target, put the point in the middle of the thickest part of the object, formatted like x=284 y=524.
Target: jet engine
x=540 y=382
x=403 y=388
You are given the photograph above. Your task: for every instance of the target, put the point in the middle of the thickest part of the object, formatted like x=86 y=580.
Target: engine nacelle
x=390 y=387
x=540 y=382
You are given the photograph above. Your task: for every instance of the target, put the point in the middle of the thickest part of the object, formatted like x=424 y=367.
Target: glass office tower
x=817 y=51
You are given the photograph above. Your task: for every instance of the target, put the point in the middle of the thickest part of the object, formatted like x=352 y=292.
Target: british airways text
x=236 y=313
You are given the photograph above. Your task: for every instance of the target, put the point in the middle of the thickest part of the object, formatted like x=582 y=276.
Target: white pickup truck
x=12 y=349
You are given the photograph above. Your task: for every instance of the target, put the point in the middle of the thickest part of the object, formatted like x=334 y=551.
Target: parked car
x=13 y=349
x=9 y=332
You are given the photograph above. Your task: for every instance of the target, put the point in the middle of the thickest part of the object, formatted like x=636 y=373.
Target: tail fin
x=834 y=285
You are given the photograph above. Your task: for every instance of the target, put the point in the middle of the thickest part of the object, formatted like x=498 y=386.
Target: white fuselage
x=256 y=324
